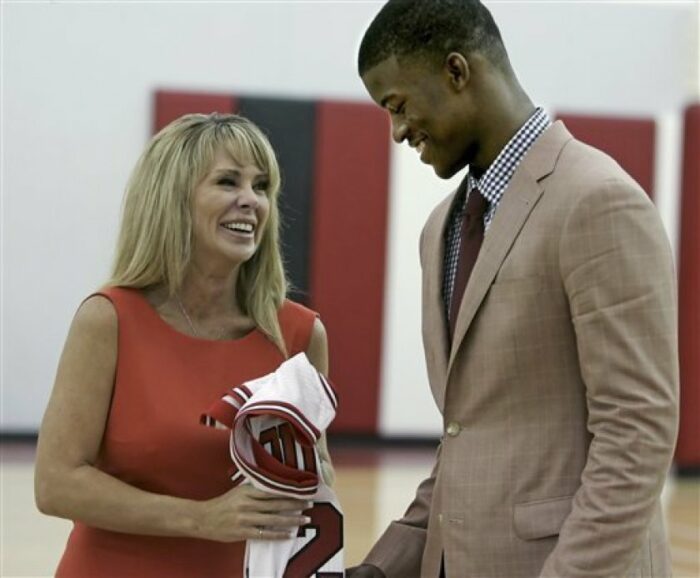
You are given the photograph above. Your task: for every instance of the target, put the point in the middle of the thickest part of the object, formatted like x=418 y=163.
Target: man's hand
x=364 y=571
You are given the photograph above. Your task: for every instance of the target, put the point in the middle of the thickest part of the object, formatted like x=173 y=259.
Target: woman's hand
x=245 y=513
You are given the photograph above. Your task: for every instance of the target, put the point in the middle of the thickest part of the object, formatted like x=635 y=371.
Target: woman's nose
x=247 y=197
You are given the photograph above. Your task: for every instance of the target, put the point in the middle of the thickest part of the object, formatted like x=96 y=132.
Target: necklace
x=189 y=320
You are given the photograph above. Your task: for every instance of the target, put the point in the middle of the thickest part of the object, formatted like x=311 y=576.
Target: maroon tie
x=472 y=234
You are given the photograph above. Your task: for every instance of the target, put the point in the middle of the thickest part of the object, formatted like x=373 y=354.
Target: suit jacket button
x=452 y=429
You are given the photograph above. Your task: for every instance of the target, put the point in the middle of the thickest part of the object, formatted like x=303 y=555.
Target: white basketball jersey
x=275 y=423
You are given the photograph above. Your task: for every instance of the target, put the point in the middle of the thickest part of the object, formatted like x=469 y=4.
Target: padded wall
x=349 y=251
x=168 y=105
x=688 y=450
x=630 y=141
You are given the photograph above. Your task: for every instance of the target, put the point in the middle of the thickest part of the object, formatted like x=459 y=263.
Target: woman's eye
x=227 y=182
x=262 y=187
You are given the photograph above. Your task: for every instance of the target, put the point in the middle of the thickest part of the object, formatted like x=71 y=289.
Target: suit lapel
x=519 y=198
x=434 y=323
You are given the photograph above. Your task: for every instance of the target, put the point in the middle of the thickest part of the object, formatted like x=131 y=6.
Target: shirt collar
x=496 y=178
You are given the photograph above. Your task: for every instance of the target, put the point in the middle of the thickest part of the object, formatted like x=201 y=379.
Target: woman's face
x=230 y=208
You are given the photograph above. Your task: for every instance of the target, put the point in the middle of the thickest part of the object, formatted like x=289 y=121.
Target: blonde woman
x=196 y=303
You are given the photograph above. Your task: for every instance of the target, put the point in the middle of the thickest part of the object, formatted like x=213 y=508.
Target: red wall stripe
x=348 y=252
x=170 y=105
x=630 y=141
x=688 y=450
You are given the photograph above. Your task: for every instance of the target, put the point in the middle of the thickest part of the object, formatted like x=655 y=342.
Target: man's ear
x=457 y=69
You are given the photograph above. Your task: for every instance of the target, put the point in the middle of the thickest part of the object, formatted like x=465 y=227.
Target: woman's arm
x=68 y=485
x=317 y=353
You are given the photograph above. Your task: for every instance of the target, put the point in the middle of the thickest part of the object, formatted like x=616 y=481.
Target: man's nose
x=398 y=130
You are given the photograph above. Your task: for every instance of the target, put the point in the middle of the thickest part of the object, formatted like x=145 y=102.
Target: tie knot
x=476 y=204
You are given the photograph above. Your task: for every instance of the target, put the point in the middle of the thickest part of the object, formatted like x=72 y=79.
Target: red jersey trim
x=285 y=411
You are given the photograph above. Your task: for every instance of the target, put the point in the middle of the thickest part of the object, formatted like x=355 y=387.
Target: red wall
x=688 y=451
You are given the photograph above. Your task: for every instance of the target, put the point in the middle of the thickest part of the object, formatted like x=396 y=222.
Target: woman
x=196 y=303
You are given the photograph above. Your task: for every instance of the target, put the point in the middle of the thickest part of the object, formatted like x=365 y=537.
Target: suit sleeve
x=618 y=273
x=399 y=551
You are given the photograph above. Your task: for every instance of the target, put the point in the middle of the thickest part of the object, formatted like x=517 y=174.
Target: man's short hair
x=430 y=29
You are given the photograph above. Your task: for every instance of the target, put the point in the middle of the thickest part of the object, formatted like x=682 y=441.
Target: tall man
x=549 y=322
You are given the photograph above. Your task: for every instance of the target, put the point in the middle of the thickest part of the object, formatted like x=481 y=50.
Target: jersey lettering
x=279 y=442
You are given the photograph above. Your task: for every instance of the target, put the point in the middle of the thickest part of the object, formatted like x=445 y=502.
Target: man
x=556 y=367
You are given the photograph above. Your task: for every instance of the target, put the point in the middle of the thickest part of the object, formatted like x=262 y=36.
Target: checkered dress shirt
x=491 y=185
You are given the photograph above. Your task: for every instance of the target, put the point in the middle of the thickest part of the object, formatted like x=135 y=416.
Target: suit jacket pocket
x=542 y=518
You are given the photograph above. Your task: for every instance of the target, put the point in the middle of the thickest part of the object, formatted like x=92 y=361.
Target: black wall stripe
x=290 y=126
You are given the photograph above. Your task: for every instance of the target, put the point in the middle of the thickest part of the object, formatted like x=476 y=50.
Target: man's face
x=428 y=109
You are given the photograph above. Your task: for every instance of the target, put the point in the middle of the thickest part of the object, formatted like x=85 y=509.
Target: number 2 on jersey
x=327 y=522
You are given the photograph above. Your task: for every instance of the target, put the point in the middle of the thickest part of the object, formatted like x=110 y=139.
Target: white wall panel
x=407 y=406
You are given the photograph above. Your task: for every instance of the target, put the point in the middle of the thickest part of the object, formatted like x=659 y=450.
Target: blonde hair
x=156 y=235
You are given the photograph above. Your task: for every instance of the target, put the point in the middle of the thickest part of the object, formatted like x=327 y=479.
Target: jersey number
x=328 y=541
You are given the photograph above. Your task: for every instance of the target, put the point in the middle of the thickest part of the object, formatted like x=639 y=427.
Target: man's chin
x=448 y=171
x=444 y=172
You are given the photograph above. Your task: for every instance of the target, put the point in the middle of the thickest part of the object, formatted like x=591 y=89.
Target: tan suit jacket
x=559 y=393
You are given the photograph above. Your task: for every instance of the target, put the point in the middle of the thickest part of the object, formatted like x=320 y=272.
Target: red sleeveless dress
x=153 y=439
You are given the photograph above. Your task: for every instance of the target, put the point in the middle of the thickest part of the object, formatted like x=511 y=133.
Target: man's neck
x=505 y=126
